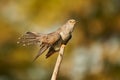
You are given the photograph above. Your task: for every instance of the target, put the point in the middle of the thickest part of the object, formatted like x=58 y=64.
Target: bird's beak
x=77 y=21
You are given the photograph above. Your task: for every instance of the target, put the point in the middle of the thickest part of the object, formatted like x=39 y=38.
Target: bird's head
x=71 y=21
x=70 y=25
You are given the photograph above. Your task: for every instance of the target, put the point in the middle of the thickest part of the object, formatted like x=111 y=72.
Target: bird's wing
x=56 y=42
x=48 y=42
x=43 y=48
x=50 y=52
x=56 y=46
x=53 y=37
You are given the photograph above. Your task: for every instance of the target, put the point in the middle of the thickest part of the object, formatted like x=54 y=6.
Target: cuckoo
x=51 y=41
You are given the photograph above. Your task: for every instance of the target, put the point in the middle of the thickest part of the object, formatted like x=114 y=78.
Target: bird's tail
x=34 y=38
x=29 y=38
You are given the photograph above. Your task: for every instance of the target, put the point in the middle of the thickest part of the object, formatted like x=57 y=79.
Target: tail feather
x=29 y=38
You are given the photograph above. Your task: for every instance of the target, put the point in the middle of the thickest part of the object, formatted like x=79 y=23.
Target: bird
x=51 y=41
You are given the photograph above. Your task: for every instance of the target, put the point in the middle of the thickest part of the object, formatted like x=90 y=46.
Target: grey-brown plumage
x=51 y=41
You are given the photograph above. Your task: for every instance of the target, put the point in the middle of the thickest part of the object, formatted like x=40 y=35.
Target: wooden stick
x=58 y=63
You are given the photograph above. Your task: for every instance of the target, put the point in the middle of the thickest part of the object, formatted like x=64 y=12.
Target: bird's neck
x=65 y=31
x=69 y=28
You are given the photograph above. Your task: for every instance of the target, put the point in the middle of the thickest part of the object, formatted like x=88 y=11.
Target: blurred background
x=93 y=53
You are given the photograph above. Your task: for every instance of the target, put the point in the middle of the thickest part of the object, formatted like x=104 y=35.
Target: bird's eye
x=71 y=21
